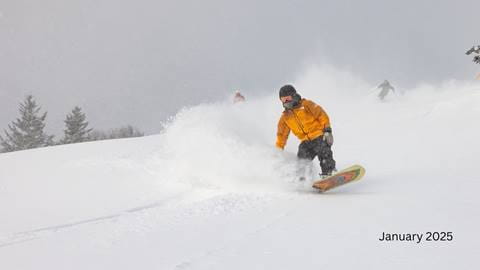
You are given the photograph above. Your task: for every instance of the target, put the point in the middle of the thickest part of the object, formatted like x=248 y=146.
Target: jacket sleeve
x=318 y=113
x=282 y=133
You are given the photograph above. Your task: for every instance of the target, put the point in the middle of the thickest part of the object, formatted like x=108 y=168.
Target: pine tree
x=125 y=132
x=27 y=131
x=117 y=133
x=76 y=127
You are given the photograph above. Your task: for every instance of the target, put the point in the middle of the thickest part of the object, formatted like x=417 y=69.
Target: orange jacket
x=306 y=121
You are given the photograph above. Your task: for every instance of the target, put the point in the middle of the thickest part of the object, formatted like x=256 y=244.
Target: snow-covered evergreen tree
x=117 y=133
x=76 y=127
x=27 y=131
x=125 y=132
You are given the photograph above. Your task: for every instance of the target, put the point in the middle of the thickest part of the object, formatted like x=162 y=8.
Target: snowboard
x=348 y=175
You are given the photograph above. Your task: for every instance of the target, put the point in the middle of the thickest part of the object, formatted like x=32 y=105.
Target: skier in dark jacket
x=386 y=87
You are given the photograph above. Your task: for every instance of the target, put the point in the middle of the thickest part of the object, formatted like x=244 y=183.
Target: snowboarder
x=311 y=124
x=386 y=87
x=238 y=97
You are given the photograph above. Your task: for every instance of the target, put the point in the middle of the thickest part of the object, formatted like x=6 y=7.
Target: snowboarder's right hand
x=327 y=135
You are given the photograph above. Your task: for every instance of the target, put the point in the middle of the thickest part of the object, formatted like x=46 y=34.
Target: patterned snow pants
x=308 y=150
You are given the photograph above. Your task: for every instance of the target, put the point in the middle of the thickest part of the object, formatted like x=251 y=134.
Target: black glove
x=327 y=135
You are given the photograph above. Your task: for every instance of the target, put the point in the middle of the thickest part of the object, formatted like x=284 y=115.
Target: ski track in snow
x=21 y=237
x=219 y=204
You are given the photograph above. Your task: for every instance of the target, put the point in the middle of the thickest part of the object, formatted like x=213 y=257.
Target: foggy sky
x=138 y=62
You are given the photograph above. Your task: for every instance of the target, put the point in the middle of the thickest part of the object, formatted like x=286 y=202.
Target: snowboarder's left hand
x=327 y=135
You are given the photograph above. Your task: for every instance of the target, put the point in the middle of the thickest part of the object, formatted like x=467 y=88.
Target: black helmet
x=287 y=90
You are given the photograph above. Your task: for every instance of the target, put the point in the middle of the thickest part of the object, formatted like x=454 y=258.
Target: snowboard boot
x=324 y=175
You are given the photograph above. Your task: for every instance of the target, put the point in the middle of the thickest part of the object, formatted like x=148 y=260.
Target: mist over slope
x=212 y=192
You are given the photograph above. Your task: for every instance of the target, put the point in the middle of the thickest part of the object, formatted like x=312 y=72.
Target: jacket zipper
x=300 y=125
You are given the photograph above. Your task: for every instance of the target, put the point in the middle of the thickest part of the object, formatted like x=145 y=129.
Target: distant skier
x=238 y=97
x=311 y=124
x=475 y=49
x=386 y=87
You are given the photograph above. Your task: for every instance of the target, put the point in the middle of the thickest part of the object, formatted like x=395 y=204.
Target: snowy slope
x=211 y=192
